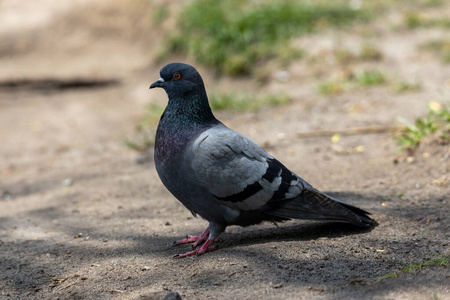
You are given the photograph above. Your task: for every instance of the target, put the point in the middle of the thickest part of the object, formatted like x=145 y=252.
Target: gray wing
x=238 y=172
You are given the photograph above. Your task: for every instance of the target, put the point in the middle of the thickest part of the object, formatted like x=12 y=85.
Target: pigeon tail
x=314 y=205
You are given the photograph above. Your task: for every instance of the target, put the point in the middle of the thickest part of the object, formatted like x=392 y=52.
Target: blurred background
x=353 y=95
x=369 y=61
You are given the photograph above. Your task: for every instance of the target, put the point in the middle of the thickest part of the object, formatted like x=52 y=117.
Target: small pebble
x=143 y=158
x=172 y=296
x=68 y=182
x=282 y=76
x=6 y=195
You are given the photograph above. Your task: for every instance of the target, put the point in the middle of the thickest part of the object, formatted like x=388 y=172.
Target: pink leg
x=195 y=239
x=203 y=249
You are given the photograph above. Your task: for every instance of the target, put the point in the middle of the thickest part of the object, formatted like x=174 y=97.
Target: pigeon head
x=180 y=80
x=188 y=103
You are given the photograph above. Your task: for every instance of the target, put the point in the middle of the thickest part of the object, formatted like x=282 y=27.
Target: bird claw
x=198 y=242
x=197 y=252
x=195 y=239
x=187 y=240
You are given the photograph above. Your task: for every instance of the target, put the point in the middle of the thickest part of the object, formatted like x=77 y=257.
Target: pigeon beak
x=157 y=83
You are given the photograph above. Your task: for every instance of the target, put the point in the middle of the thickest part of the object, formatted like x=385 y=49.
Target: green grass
x=414 y=20
x=368 y=52
x=437 y=261
x=436 y=122
x=348 y=81
x=404 y=87
x=369 y=78
x=352 y=80
x=332 y=87
x=241 y=102
x=160 y=14
x=440 y=47
x=235 y=36
x=145 y=129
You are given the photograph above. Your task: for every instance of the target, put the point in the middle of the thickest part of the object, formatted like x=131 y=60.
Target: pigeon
x=223 y=176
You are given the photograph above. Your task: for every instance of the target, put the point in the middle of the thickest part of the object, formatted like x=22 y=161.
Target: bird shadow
x=304 y=231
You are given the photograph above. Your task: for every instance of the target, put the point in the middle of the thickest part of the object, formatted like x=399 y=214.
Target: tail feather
x=314 y=205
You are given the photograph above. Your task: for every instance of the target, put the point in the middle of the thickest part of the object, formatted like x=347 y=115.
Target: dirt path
x=80 y=219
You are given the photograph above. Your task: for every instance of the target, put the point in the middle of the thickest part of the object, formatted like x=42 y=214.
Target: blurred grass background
x=247 y=38
x=234 y=36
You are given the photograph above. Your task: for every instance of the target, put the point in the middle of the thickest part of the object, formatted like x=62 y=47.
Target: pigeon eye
x=177 y=76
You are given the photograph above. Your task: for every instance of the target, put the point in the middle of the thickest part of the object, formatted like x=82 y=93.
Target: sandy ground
x=80 y=219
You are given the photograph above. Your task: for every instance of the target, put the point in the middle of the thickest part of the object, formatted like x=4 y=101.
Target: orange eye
x=177 y=76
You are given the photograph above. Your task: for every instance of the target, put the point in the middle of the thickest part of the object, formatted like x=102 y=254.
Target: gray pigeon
x=223 y=176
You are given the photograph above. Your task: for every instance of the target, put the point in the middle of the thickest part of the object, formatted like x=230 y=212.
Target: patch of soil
x=80 y=219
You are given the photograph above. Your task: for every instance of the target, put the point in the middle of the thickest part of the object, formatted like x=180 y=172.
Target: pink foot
x=197 y=240
x=203 y=249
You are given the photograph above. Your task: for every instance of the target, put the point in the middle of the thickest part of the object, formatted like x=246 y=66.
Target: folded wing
x=238 y=172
